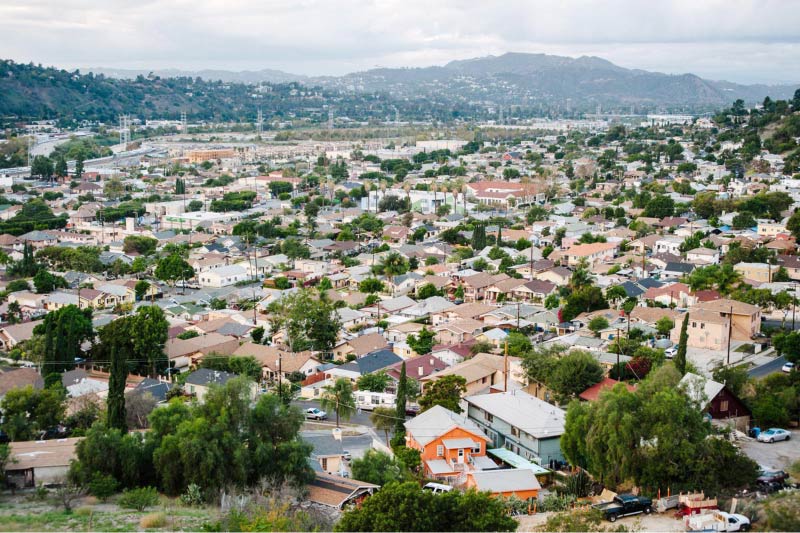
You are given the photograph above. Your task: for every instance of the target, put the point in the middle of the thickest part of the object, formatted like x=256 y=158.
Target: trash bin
x=755 y=432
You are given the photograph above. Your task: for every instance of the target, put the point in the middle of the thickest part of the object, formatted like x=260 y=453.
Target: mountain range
x=516 y=79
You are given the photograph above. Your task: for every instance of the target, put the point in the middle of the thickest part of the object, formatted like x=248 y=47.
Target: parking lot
x=779 y=455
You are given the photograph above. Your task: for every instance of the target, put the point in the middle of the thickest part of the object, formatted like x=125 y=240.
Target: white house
x=223 y=277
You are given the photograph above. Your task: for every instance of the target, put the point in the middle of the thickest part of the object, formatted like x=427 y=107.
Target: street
x=767 y=368
x=360 y=417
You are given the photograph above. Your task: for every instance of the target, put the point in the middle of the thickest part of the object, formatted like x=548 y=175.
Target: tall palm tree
x=393 y=264
x=339 y=398
x=727 y=278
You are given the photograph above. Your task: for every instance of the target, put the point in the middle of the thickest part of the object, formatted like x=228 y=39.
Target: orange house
x=519 y=482
x=450 y=445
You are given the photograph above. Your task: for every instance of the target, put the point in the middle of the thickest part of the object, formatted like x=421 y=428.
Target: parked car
x=774 y=434
x=669 y=353
x=346 y=455
x=437 y=488
x=624 y=505
x=788 y=367
x=312 y=413
x=772 y=476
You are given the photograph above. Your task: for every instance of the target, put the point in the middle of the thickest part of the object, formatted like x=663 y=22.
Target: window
x=440 y=451
x=515 y=432
x=488 y=417
x=477 y=448
x=694 y=324
x=703 y=325
x=723 y=406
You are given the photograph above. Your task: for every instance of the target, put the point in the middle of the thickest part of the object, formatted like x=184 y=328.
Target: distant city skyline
x=745 y=41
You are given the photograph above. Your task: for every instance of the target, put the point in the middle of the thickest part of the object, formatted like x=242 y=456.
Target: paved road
x=360 y=417
x=780 y=325
x=768 y=368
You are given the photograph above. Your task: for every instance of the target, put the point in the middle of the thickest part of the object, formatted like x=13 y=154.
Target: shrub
x=84 y=511
x=193 y=495
x=103 y=486
x=139 y=499
x=153 y=520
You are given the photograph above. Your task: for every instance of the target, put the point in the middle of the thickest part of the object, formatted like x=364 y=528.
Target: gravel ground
x=779 y=455
x=646 y=523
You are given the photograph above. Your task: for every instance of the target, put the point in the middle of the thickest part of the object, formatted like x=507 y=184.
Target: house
x=703 y=256
x=520 y=422
x=360 y=346
x=275 y=361
x=17 y=378
x=593 y=253
x=185 y=352
x=458 y=331
x=674 y=270
x=452 y=354
x=503 y=289
x=13 y=334
x=482 y=372
x=709 y=324
x=42 y=462
x=223 y=276
x=449 y=444
x=366 y=364
x=338 y=492
x=792 y=265
x=418 y=367
x=519 y=482
x=593 y=393
x=201 y=380
x=717 y=401
x=760 y=272
x=534 y=291
x=475 y=286
x=329 y=452
x=559 y=275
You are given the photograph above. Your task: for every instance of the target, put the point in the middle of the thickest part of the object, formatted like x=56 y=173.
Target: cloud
x=740 y=40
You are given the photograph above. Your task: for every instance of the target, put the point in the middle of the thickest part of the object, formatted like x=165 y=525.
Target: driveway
x=778 y=455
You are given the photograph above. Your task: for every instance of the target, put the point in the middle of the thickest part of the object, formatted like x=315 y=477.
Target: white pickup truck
x=717 y=521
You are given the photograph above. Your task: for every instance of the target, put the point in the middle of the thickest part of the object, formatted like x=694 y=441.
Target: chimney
x=419 y=371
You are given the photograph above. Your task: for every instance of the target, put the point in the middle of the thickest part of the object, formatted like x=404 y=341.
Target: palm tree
x=727 y=278
x=366 y=189
x=339 y=397
x=393 y=264
x=383 y=418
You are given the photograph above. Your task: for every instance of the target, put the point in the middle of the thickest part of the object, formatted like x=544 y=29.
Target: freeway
x=767 y=368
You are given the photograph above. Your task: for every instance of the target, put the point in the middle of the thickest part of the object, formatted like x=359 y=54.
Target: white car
x=788 y=367
x=669 y=353
x=313 y=413
x=774 y=434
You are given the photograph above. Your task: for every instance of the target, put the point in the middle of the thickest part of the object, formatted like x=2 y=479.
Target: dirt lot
x=779 y=455
x=24 y=512
x=650 y=523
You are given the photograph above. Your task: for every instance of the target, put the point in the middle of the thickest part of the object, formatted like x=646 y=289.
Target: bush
x=193 y=495
x=153 y=520
x=103 y=486
x=139 y=499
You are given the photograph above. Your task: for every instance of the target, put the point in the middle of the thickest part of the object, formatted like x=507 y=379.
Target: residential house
x=13 y=334
x=503 y=289
x=715 y=399
x=18 y=378
x=709 y=324
x=275 y=362
x=223 y=276
x=560 y=276
x=760 y=272
x=449 y=444
x=201 y=380
x=338 y=492
x=534 y=291
x=593 y=253
x=519 y=482
x=520 y=422
x=475 y=286
x=703 y=256
x=483 y=372
x=371 y=362
x=592 y=393
x=38 y=463
x=452 y=354
x=458 y=331
x=360 y=346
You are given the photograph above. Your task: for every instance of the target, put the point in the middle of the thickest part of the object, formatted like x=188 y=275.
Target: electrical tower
x=183 y=122
x=124 y=131
x=330 y=118
x=260 y=123
x=500 y=121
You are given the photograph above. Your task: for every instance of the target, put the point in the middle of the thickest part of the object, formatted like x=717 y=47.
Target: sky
x=746 y=41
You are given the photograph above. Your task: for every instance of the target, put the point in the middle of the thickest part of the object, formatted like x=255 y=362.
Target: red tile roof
x=592 y=393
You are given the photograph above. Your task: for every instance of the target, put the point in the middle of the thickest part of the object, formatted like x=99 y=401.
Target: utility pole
x=794 y=302
x=505 y=369
x=619 y=348
x=730 y=332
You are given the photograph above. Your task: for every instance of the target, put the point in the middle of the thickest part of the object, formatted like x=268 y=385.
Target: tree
x=445 y=391
x=426 y=291
x=64 y=332
x=585 y=299
x=79 y=167
x=141 y=289
x=400 y=404
x=339 y=398
x=680 y=356
x=42 y=166
x=377 y=467
x=309 y=322
x=173 y=268
x=383 y=419
x=393 y=264
x=404 y=507
x=118 y=339
x=744 y=220
x=664 y=325
x=793 y=224
x=788 y=345
x=371 y=285
x=113 y=189
x=574 y=373
x=374 y=381
x=45 y=282
x=598 y=324
x=660 y=207
x=423 y=342
x=150 y=327
x=139 y=245
x=60 y=168
x=479 y=237
x=28 y=412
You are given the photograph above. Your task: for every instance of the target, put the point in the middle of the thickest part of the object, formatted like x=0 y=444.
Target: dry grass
x=153 y=520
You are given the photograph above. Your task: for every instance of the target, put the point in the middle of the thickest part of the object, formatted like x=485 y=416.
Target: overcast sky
x=746 y=41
